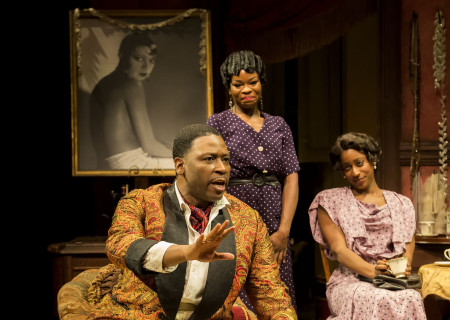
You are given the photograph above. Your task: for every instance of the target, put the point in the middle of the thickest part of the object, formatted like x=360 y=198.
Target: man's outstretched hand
x=204 y=249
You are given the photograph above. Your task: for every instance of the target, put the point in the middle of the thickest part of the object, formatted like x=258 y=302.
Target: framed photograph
x=137 y=78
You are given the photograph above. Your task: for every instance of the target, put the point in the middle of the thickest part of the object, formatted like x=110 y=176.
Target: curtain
x=283 y=30
x=278 y=30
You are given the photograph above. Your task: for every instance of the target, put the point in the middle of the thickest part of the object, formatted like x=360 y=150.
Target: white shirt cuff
x=154 y=258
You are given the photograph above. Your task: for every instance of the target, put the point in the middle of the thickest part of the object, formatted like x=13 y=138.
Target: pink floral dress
x=373 y=233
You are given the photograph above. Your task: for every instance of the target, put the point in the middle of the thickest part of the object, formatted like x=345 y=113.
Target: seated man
x=187 y=249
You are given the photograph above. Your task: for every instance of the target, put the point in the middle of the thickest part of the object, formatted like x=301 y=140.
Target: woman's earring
x=230 y=103
x=261 y=103
x=374 y=165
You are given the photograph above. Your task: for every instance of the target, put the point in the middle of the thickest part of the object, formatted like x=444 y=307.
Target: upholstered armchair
x=73 y=297
x=76 y=297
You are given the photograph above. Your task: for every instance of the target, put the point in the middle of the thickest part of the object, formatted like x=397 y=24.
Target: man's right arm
x=153 y=260
x=128 y=247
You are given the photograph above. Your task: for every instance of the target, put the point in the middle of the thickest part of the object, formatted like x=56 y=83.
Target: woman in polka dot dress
x=362 y=226
x=263 y=159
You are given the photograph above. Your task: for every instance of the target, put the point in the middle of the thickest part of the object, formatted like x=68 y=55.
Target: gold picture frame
x=124 y=120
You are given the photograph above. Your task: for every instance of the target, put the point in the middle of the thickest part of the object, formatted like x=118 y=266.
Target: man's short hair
x=183 y=141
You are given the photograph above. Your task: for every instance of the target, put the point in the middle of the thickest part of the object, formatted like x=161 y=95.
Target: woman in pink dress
x=361 y=226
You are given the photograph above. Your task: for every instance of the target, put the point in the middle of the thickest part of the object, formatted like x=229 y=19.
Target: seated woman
x=361 y=226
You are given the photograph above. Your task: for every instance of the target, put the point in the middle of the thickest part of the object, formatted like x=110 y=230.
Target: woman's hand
x=279 y=243
x=408 y=270
x=381 y=267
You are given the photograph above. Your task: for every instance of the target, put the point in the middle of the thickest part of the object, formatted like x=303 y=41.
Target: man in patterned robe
x=187 y=249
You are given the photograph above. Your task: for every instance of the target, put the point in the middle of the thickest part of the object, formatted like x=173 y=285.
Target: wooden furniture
x=435 y=280
x=428 y=250
x=436 y=290
x=323 y=311
x=71 y=258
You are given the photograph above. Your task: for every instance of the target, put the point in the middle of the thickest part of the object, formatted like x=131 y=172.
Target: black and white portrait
x=134 y=90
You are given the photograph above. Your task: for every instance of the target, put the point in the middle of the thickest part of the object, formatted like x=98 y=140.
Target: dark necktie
x=199 y=218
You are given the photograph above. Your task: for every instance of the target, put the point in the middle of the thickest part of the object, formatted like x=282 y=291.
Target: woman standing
x=362 y=226
x=263 y=161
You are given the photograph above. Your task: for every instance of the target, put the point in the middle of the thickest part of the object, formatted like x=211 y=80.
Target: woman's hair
x=130 y=43
x=360 y=142
x=183 y=141
x=242 y=60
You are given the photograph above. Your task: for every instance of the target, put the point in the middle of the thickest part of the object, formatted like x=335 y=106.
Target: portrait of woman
x=132 y=92
x=263 y=159
x=120 y=125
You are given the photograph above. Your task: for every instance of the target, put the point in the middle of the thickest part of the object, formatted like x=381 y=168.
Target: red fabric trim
x=238 y=313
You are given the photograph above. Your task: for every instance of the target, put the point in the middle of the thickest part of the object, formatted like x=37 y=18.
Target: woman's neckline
x=379 y=193
x=261 y=115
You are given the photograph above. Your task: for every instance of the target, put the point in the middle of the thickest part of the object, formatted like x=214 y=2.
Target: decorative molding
x=429 y=153
x=202 y=13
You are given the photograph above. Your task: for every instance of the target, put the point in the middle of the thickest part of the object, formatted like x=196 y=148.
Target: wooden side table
x=428 y=250
x=71 y=258
x=435 y=290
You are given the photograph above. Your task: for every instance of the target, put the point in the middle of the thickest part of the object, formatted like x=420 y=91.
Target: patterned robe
x=373 y=233
x=140 y=222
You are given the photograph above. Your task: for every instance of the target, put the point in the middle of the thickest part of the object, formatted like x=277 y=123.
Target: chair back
x=328 y=265
x=325 y=264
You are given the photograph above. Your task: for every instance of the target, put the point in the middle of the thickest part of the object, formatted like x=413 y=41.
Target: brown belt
x=258 y=180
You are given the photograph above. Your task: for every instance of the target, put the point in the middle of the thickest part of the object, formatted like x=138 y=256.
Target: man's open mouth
x=219 y=183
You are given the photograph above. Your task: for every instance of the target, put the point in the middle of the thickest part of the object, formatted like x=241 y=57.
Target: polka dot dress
x=373 y=233
x=270 y=151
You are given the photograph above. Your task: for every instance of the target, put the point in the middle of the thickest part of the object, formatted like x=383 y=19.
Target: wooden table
x=71 y=258
x=435 y=280
x=428 y=250
x=82 y=253
x=436 y=290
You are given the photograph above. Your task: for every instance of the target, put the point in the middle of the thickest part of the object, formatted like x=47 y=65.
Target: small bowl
x=426 y=228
